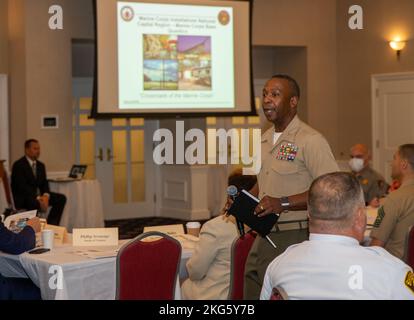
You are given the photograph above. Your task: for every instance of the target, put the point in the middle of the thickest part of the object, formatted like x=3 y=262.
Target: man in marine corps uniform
x=293 y=155
x=396 y=216
x=372 y=182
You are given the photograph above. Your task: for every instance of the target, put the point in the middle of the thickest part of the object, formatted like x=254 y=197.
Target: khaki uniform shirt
x=372 y=183
x=210 y=264
x=300 y=155
x=395 y=218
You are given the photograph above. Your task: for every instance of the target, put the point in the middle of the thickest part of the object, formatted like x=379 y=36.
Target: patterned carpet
x=130 y=228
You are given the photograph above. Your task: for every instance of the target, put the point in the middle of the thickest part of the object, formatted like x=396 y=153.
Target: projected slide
x=175 y=56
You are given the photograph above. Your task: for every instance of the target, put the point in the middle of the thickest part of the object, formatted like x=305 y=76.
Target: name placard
x=171 y=230
x=60 y=233
x=95 y=237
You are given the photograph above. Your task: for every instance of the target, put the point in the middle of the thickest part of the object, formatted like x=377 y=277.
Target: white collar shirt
x=337 y=267
x=31 y=162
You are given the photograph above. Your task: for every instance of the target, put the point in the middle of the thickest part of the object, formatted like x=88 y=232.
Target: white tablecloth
x=82 y=278
x=84 y=207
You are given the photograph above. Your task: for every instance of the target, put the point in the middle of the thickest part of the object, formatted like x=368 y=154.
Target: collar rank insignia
x=409 y=281
x=287 y=152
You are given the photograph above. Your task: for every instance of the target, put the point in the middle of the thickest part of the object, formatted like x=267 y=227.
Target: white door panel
x=393 y=117
x=119 y=154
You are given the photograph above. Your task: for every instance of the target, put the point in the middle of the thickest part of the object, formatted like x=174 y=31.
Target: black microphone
x=232 y=192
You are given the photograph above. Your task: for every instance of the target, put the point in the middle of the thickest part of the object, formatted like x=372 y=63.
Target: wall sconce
x=397 y=45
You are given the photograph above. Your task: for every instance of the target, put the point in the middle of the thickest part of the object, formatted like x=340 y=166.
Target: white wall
x=42 y=75
x=311 y=24
x=4 y=33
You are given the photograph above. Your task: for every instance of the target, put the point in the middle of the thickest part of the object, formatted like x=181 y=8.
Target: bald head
x=360 y=147
x=334 y=200
x=361 y=151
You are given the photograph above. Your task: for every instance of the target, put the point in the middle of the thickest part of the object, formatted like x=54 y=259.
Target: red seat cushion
x=148 y=270
x=240 y=250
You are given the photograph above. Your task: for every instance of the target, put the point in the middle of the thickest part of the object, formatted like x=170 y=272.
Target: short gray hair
x=334 y=197
x=407 y=153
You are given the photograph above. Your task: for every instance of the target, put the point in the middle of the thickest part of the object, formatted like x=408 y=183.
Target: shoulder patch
x=409 y=281
x=380 y=217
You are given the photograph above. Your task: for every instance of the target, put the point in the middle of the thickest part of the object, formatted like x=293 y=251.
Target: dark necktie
x=34 y=169
x=35 y=175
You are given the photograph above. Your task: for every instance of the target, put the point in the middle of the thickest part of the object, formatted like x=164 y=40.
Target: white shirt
x=337 y=267
x=276 y=136
x=31 y=162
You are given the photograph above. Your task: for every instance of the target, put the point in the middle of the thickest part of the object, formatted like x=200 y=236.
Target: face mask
x=356 y=164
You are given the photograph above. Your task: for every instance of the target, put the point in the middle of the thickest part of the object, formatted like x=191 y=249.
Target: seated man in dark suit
x=30 y=186
x=16 y=288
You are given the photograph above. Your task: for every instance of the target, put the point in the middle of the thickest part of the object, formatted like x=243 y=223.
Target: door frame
x=376 y=79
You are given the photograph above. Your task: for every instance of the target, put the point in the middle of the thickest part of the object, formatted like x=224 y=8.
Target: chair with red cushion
x=6 y=199
x=278 y=294
x=148 y=270
x=409 y=254
x=239 y=252
x=4 y=177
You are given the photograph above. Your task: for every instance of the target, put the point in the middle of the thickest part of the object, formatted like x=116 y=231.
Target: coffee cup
x=48 y=237
x=193 y=228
